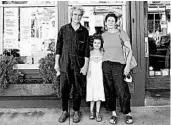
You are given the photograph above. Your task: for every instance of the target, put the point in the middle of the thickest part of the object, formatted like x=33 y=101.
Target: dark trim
x=56 y=103
x=138 y=102
x=21 y=98
x=158 y=82
x=29 y=103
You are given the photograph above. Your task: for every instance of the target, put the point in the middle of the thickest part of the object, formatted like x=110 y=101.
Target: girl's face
x=97 y=44
x=110 y=23
x=76 y=16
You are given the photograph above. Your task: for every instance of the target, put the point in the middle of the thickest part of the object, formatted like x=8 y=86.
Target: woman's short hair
x=77 y=8
x=111 y=15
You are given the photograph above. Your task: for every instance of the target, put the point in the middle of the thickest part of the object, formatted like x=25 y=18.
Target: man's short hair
x=77 y=7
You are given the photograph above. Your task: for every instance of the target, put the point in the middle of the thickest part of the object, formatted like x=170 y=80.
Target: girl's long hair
x=99 y=37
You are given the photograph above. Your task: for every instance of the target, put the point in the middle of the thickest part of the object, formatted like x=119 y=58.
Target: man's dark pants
x=67 y=81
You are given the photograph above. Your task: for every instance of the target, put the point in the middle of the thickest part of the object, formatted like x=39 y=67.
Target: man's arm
x=84 y=69
x=58 y=51
x=56 y=67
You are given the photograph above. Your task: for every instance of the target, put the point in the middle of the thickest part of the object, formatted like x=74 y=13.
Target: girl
x=115 y=67
x=95 y=90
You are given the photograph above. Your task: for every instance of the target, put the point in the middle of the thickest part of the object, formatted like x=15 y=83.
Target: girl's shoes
x=113 y=120
x=92 y=116
x=98 y=117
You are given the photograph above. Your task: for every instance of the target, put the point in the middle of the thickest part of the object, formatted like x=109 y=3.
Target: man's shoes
x=76 y=117
x=63 y=116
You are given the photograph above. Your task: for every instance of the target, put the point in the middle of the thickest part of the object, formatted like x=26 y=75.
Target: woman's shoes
x=128 y=119
x=113 y=120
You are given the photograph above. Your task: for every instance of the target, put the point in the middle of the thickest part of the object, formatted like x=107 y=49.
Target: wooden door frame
x=137 y=30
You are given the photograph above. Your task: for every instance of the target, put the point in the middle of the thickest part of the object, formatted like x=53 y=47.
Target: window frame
x=2 y=6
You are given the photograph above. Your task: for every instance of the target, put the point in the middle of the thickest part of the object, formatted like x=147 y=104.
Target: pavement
x=146 y=115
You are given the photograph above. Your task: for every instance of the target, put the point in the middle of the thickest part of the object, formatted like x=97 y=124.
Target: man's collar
x=80 y=28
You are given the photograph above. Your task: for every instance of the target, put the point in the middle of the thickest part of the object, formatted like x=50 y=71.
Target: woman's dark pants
x=115 y=86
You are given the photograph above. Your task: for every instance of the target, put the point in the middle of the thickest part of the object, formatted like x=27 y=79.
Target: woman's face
x=110 y=23
x=97 y=44
x=76 y=16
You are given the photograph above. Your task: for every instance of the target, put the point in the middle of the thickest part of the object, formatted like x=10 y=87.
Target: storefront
x=30 y=30
x=158 y=50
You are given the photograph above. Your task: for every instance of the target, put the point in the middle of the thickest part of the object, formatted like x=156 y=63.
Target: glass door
x=95 y=11
x=158 y=61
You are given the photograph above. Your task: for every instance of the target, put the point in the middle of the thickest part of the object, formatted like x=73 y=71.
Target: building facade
x=29 y=30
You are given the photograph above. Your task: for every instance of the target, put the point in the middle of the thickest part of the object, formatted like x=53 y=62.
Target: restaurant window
x=159 y=40
x=30 y=32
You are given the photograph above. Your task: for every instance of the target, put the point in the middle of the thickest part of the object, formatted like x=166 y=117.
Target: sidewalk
x=49 y=116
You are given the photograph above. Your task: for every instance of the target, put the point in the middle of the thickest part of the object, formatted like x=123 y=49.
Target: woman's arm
x=129 y=56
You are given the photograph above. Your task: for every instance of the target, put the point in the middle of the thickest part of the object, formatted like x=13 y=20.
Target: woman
x=115 y=68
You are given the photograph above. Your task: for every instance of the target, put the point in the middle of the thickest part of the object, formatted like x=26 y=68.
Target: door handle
x=146 y=47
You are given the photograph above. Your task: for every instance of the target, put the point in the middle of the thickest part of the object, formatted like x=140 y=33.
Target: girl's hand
x=89 y=74
x=126 y=70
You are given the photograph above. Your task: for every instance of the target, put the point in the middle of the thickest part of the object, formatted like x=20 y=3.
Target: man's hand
x=84 y=70
x=56 y=67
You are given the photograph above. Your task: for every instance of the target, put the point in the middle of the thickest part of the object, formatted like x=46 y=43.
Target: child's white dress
x=95 y=89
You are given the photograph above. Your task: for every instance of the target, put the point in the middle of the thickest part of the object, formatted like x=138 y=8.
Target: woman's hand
x=126 y=70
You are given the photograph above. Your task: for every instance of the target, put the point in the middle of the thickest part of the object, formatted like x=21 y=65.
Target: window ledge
x=28 y=66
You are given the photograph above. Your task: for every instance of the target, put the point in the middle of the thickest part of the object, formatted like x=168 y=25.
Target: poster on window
x=25 y=23
x=25 y=31
x=11 y=28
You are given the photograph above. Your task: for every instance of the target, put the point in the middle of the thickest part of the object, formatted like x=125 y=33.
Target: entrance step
x=157 y=97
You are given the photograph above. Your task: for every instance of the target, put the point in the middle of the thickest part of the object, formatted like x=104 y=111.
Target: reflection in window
x=29 y=33
x=159 y=43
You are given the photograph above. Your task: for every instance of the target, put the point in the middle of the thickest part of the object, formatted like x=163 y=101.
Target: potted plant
x=48 y=73
x=8 y=71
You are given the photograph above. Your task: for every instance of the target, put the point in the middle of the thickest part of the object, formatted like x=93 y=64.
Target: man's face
x=76 y=17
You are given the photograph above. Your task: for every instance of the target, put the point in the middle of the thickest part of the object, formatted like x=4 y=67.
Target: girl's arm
x=89 y=67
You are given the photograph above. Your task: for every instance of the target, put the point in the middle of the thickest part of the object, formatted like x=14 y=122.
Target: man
x=72 y=56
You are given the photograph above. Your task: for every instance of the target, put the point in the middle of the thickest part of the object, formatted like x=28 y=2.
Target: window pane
x=150 y=16
x=29 y=33
x=159 y=43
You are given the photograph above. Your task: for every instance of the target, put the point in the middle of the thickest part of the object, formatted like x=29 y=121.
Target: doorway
x=158 y=53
